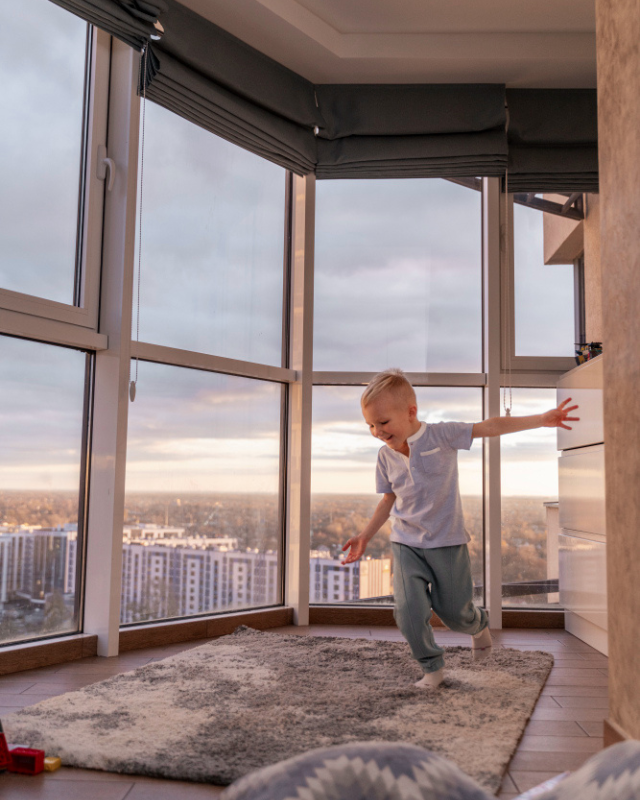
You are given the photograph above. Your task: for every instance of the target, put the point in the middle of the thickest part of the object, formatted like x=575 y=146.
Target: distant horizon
x=179 y=494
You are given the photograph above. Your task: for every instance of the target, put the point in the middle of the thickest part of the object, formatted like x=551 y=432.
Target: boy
x=417 y=472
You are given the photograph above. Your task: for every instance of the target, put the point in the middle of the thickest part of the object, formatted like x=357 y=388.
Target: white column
x=111 y=403
x=491 y=253
x=298 y=527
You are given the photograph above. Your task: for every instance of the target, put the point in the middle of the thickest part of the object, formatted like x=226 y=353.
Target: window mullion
x=298 y=529
x=111 y=404
x=491 y=258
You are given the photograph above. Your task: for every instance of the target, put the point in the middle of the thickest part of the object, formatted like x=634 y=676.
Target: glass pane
x=544 y=300
x=41 y=422
x=212 y=245
x=202 y=519
x=398 y=276
x=42 y=64
x=343 y=491
x=529 y=507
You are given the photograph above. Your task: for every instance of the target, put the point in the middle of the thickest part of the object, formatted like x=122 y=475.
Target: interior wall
x=618 y=53
x=563 y=237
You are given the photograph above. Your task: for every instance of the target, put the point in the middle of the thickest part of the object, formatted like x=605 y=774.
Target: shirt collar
x=418 y=434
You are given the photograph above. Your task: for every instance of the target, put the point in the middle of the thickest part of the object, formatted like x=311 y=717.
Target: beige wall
x=618 y=50
x=592 y=270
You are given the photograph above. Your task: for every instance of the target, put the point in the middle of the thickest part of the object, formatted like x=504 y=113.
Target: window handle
x=105 y=163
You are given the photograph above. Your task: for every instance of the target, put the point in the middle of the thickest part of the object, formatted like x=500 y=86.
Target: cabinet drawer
x=581 y=490
x=583 y=578
x=584 y=386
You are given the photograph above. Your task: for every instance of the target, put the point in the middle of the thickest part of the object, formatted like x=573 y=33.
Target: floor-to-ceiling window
x=398 y=282
x=42 y=432
x=50 y=227
x=204 y=504
x=398 y=270
x=542 y=330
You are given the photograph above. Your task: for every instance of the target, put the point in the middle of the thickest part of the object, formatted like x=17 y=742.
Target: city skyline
x=185 y=555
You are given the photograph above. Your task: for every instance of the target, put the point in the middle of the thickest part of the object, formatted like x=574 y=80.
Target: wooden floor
x=565 y=729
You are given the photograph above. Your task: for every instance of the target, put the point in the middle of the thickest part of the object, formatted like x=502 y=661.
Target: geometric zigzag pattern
x=367 y=771
x=384 y=771
x=612 y=774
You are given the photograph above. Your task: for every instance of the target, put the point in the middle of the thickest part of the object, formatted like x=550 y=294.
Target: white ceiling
x=523 y=43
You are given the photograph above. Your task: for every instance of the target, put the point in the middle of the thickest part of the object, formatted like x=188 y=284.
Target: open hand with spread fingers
x=358 y=545
x=557 y=417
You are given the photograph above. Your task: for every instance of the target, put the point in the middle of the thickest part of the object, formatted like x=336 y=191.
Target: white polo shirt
x=428 y=511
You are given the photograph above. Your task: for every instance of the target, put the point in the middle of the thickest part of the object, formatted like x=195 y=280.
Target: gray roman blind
x=411 y=131
x=553 y=140
x=222 y=84
x=132 y=21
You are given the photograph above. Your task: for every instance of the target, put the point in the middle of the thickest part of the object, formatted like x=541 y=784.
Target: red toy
x=5 y=756
x=26 y=760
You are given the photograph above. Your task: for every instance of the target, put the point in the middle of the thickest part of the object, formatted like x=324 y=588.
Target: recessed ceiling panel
x=454 y=16
x=546 y=43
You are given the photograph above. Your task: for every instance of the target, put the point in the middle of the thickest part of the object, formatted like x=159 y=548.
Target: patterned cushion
x=367 y=771
x=383 y=771
x=612 y=774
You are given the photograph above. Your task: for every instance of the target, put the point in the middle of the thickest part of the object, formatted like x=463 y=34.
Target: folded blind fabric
x=413 y=131
x=133 y=21
x=435 y=156
x=218 y=82
x=553 y=140
x=410 y=109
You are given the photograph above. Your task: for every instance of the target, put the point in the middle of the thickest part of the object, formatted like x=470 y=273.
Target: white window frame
x=84 y=315
x=105 y=330
x=553 y=365
x=526 y=372
x=111 y=405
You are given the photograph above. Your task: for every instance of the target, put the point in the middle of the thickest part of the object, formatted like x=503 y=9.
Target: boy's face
x=391 y=419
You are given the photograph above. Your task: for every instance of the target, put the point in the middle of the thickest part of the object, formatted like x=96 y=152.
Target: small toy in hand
x=585 y=352
x=26 y=760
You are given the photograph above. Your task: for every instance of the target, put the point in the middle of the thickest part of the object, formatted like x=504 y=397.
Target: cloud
x=544 y=294
x=398 y=276
x=42 y=54
x=213 y=244
x=41 y=404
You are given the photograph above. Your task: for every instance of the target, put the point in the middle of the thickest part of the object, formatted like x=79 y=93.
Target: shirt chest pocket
x=431 y=461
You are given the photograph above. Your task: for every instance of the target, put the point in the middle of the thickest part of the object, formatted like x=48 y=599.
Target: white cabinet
x=583 y=588
x=584 y=386
x=581 y=490
x=582 y=548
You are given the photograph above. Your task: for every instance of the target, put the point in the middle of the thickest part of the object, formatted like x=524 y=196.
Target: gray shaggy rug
x=241 y=702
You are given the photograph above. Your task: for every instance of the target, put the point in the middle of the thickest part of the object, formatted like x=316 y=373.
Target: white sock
x=431 y=680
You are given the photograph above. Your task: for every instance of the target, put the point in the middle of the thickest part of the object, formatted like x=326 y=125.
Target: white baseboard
x=592 y=634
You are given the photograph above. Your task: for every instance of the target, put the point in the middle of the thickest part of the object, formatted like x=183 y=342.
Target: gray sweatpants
x=438 y=579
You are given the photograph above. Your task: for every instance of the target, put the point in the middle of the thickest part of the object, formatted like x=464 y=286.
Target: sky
x=42 y=56
x=397 y=284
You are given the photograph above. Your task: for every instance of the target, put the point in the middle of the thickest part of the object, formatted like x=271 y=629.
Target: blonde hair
x=390 y=380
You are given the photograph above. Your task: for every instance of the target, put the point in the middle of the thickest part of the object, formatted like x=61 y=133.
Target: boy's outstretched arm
x=358 y=544
x=555 y=418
